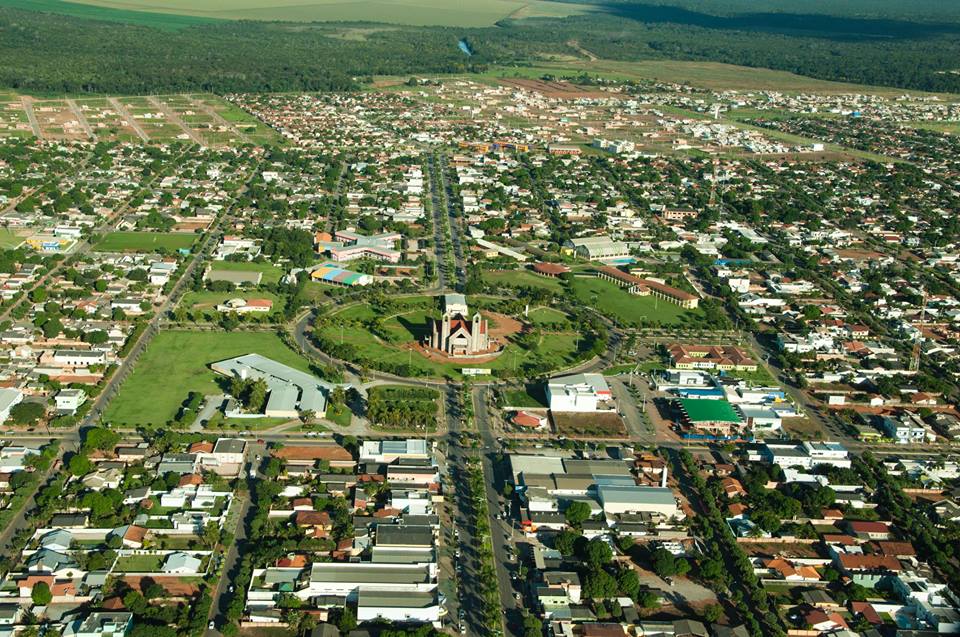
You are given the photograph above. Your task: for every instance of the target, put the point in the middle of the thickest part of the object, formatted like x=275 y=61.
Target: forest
x=46 y=53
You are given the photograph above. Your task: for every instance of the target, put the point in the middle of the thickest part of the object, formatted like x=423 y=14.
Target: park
x=389 y=335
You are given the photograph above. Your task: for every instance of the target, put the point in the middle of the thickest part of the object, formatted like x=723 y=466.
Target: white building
x=580 y=392
x=8 y=398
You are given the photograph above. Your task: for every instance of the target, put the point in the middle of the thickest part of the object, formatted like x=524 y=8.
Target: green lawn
x=131 y=241
x=139 y=563
x=522 y=278
x=177 y=362
x=547 y=316
x=530 y=396
x=9 y=239
x=630 y=309
x=339 y=414
x=270 y=273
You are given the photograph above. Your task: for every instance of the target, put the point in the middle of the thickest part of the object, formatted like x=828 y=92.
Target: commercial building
x=619 y=499
x=292 y=392
x=597 y=248
x=805 y=454
x=333 y=274
x=579 y=392
x=350 y=246
x=409 y=607
x=717 y=416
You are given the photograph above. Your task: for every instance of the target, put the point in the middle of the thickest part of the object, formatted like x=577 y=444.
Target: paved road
x=31 y=116
x=438 y=207
x=222 y=596
x=19 y=520
x=500 y=530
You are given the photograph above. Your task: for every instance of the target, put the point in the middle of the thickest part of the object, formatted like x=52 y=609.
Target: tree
x=599 y=584
x=346 y=621
x=52 y=328
x=79 y=465
x=666 y=565
x=628 y=582
x=338 y=396
x=577 y=513
x=565 y=542
x=100 y=438
x=532 y=625
x=598 y=553
x=257 y=396
x=27 y=413
x=648 y=599
x=713 y=613
x=41 y=594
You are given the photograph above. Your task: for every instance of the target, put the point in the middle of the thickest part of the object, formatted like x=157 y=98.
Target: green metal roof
x=704 y=410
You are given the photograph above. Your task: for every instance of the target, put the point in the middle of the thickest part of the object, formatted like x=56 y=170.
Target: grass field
x=139 y=563
x=129 y=241
x=522 y=277
x=177 y=362
x=9 y=239
x=462 y=13
x=339 y=414
x=629 y=309
x=270 y=273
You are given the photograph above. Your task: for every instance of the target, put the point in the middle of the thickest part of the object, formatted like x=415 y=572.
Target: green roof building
x=714 y=415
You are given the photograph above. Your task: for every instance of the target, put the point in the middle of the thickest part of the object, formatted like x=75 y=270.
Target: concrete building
x=291 y=392
x=409 y=607
x=597 y=248
x=580 y=392
x=619 y=499
x=8 y=398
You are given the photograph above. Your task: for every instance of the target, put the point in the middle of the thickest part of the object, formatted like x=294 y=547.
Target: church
x=455 y=333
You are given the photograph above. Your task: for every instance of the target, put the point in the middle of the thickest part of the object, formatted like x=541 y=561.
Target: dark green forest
x=51 y=53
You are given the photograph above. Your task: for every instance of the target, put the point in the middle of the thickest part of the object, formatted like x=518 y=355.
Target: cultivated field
x=463 y=13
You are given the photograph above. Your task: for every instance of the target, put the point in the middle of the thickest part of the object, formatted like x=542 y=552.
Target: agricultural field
x=178 y=362
x=480 y=13
x=630 y=309
x=129 y=241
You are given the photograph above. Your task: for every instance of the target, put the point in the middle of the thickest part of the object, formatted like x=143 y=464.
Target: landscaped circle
x=391 y=334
